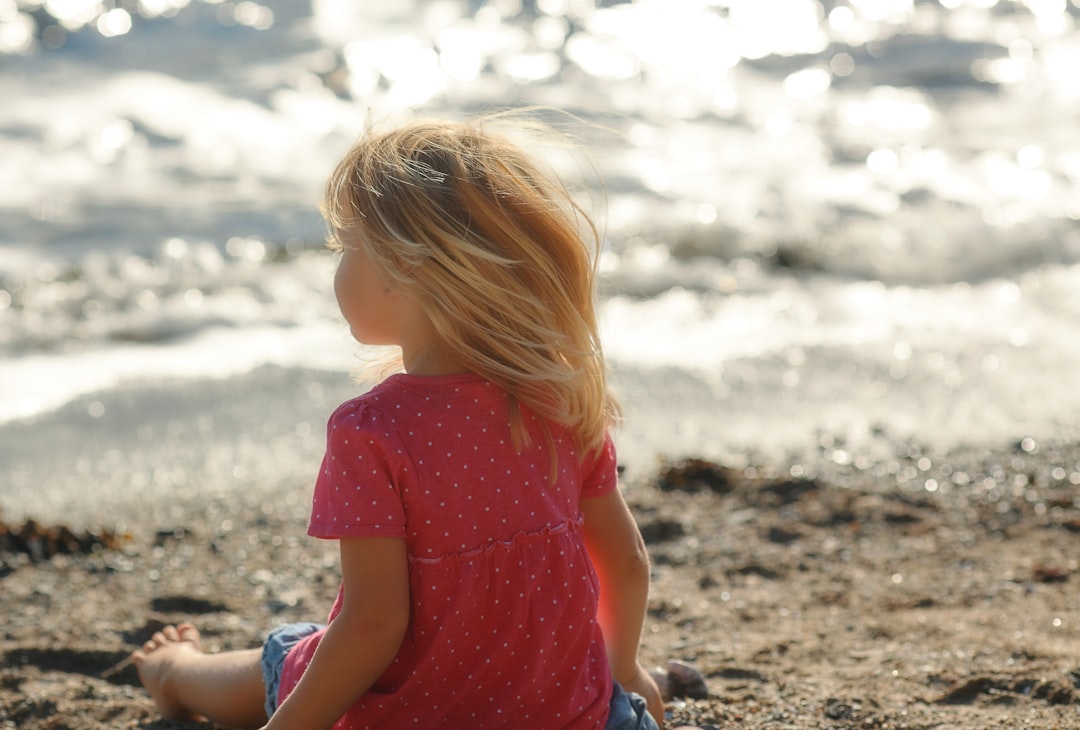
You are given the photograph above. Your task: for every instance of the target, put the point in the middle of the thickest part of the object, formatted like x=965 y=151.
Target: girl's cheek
x=340 y=277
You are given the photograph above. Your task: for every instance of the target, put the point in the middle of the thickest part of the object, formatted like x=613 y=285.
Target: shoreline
x=839 y=597
x=120 y=457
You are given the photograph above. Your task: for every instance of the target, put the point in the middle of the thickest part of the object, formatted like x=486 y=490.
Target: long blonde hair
x=493 y=249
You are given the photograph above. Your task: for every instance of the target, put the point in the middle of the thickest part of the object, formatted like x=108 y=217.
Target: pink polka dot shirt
x=503 y=631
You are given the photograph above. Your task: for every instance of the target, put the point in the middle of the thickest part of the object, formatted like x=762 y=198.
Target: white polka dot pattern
x=503 y=631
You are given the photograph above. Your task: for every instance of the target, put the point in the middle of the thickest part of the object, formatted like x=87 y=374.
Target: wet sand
x=817 y=595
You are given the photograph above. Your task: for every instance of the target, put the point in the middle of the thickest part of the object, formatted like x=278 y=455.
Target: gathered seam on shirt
x=566 y=527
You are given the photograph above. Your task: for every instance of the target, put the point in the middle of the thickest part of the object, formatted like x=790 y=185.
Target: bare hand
x=643 y=684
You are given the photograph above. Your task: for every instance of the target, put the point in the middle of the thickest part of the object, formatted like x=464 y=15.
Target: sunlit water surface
x=851 y=218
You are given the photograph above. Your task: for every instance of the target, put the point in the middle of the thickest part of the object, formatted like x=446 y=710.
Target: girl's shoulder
x=364 y=423
x=355 y=414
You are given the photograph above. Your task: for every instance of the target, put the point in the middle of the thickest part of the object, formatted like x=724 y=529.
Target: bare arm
x=622 y=565
x=360 y=642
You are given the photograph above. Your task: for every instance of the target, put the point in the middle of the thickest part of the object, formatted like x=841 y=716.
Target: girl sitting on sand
x=492 y=575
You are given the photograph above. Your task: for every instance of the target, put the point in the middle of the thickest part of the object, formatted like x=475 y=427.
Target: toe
x=191 y=634
x=171 y=633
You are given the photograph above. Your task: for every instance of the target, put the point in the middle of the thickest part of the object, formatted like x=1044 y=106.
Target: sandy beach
x=919 y=591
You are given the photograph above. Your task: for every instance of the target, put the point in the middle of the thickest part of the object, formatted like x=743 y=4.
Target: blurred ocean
x=830 y=224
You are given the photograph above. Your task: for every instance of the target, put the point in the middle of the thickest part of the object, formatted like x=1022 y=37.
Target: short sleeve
x=357 y=492
x=600 y=470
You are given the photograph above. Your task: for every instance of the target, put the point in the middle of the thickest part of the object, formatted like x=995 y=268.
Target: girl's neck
x=422 y=352
x=430 y=362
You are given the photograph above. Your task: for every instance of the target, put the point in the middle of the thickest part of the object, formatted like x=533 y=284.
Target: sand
x=915 y=591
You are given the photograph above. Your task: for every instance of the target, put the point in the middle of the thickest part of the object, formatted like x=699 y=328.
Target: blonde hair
x=491 y=247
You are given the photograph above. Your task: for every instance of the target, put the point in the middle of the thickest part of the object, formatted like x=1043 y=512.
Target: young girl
x=492 y=575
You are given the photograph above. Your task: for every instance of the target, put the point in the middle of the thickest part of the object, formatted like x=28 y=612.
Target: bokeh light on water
x=870 y=203
x=27 y=26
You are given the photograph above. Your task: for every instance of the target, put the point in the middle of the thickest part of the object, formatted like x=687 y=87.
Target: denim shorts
x=276 y=646
x=627 y=709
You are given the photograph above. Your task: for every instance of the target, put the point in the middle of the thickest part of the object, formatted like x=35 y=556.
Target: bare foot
x=158 y=658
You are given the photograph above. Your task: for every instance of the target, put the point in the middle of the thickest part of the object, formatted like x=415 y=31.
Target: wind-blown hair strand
x=495 y=251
